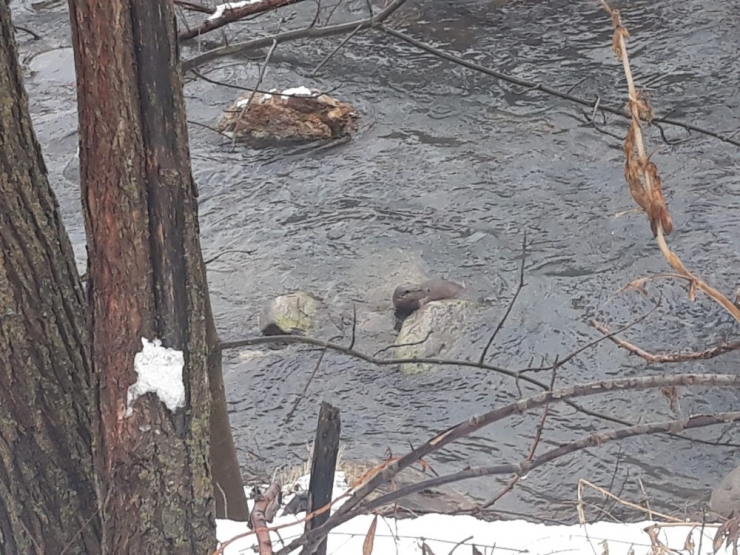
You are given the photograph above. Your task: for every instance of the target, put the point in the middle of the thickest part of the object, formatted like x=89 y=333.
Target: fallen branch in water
x=531 y=86
x=240 y=10
x=642 y=175
x=706 y=354
x=310 y=32
x=195 y=7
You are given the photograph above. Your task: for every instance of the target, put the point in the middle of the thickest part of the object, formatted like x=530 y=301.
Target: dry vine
x=642 y=175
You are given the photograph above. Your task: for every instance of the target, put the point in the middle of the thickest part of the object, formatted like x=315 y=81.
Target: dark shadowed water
x=449 y=170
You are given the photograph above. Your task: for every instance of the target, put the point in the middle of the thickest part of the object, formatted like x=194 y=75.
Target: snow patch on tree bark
x=159 y=371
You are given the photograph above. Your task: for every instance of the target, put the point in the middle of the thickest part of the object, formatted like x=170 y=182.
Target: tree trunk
x=146 y=275
x=47 y=492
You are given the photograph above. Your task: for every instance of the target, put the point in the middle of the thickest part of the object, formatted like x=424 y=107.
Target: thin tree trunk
x=47 y=493
x=145 y=274
x=228 y=488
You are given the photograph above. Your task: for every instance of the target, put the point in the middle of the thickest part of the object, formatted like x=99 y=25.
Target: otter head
x=409 y=297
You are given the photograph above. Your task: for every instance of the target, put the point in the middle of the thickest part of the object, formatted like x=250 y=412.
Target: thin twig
x=254 y=91
x=530 y=455
x=519 y=288
x=305 y=33
x=289 y=417
x=593 y=342
x=546 y=89
x=388 y=347
x=705 y=354
x=331 y=54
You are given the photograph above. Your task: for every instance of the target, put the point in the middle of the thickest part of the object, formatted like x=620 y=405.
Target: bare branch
x=524 y=467
x=708 y=353
x=530 y=455
x=305 y=33
x=235 y=14
x=618 y=111
x=195 y=7
x=520 y=286
x=350 y=508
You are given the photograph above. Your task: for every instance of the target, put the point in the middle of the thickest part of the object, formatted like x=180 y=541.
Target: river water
x=448 y=172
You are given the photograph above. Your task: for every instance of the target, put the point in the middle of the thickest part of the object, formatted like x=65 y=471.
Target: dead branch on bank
x=355 y=506
x=386 y=470
x=265 y=508
x=232 y=14
x=705 y=354
x=608 y=494
x=310 y=32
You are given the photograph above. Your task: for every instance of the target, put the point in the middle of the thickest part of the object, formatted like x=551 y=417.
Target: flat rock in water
x=294 y=313
x=298 y=114
x=441 y=323
x=725 y=497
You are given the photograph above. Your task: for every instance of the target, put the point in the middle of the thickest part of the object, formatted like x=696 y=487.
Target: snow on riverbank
x=442 y=533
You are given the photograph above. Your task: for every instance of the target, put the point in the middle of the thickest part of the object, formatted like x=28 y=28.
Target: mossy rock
x=291 y=314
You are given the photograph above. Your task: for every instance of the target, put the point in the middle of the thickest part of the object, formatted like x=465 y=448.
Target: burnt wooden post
x=325 y=450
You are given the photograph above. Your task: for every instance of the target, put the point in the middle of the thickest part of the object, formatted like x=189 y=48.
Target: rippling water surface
x=448 y=172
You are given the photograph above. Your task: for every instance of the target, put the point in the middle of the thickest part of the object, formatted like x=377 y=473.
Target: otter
x=409 y=297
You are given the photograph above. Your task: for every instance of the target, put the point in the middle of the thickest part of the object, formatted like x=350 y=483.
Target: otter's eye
x=406 y=292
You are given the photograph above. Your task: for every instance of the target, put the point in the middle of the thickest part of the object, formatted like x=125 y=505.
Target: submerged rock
x=298 y=114
x=432 y=331
x=289 y=314
x=725 y=498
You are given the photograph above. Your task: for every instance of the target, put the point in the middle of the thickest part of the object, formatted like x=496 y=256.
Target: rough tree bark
x=146 y=277
x=47 y=493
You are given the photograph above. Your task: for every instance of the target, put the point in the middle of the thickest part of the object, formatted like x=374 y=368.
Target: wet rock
x=725 y=497
x=298 y=114
x=432 y=331
x=294 y=313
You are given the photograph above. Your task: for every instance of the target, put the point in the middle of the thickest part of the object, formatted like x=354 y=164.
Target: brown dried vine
x=642 y=175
